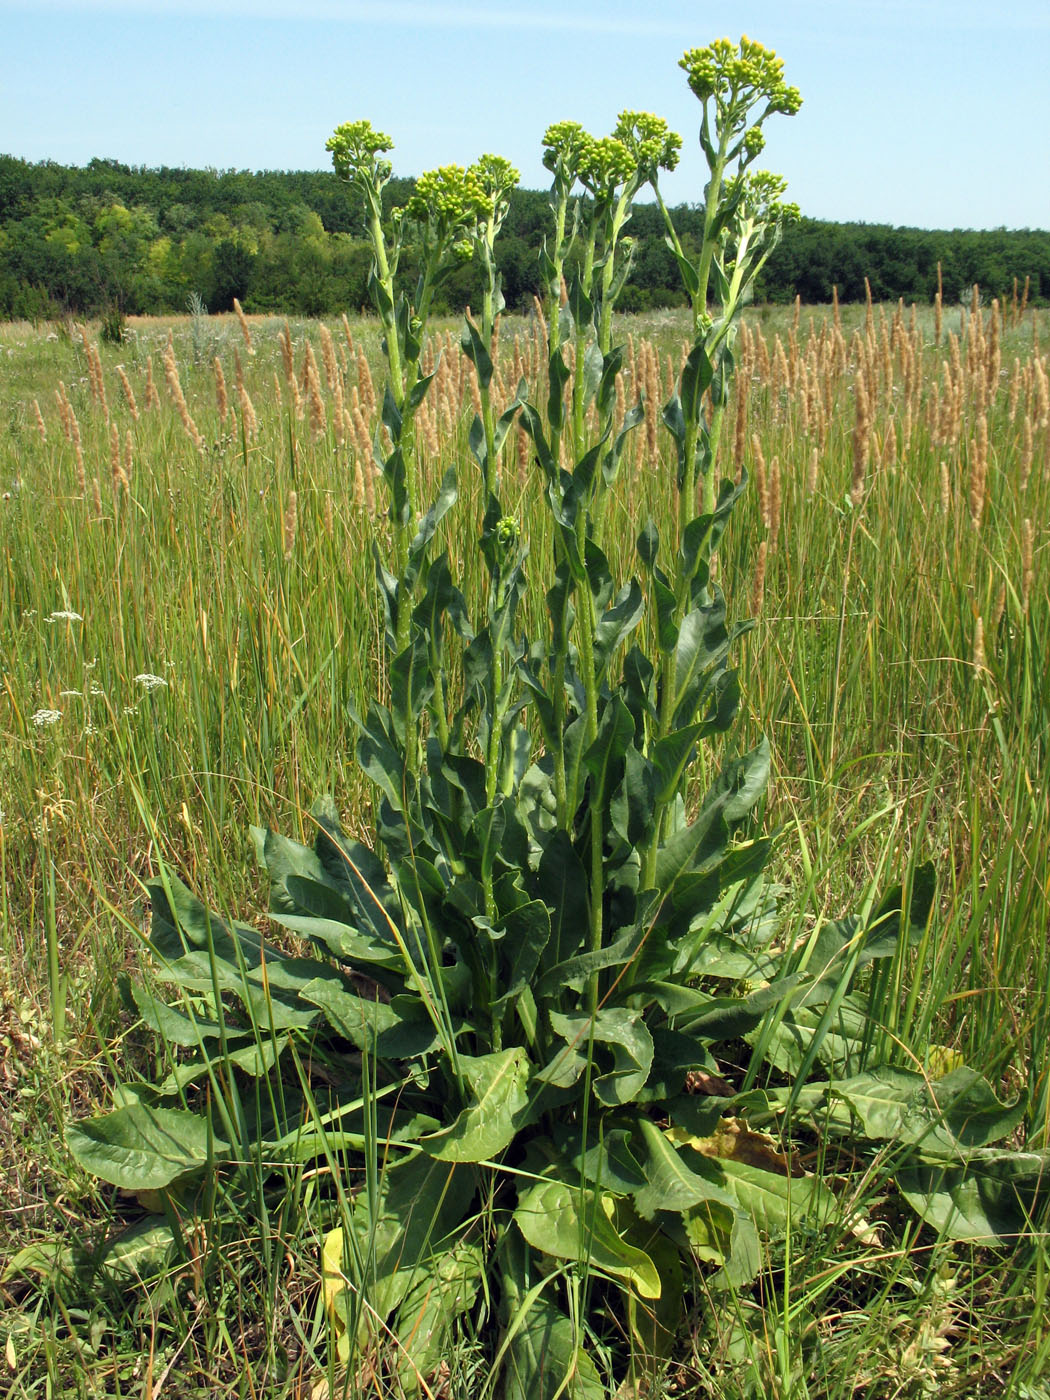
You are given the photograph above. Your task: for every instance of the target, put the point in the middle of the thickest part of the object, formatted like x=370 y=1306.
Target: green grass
x=892 y=744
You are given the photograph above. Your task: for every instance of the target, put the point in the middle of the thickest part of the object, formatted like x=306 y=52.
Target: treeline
x=109 y=238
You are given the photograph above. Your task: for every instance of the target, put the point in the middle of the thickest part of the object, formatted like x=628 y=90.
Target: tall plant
x=523 y=999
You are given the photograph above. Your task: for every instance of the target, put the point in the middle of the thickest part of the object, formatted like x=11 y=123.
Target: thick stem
x=579 y=408
x=488 y=302
x=386 y=280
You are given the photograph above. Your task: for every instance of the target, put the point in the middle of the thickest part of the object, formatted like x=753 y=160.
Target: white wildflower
x=65 y=694
x=64 y=615
x=150 y=682
x=43 y=718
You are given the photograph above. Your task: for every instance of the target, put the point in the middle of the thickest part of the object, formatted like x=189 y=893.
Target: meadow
x=189 y=622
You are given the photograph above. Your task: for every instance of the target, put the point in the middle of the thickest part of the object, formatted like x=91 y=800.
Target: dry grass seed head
x=220 y=390
x=291 y=523
x=128 y=392
x=246 y=330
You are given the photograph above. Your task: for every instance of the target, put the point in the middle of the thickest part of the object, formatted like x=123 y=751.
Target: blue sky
x=918 y=112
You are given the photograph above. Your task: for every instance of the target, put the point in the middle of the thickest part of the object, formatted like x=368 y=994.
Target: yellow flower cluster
x=652 y=144
x=763 y=198
x=497 y=178
x=450 y=197
x=355 y=146
x=748 y=72
x=562 y=144
x=640 y=144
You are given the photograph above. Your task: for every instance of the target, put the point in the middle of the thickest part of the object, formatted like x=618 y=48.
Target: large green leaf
x=670 y=757
x=725 y=1236
x=200 y=952
x=141 y=1148
x=700 y=847
x=775 y=1201
x=725 y=1018
x=138 y=1252
x=374 y=1026
x=572 y=1223
x=283 y=858
x=702 y=645
x=180 y=922
x=608 y=1164
x=256 y=1058
x=836 y=1038
x=396 y=1233
x=269 y=993
x=173 y=1026
x=694 y=850
x=616 y=624
x=670 y=1182
x=544 y=1359
x=441 y=1290
x=615 y=732
x=528 y=933
x=363 y=905
x=573 y=972
x=628 y=1039
x=346 y=943
x=958 y=1112
x=971 y=1111
x=499 y=1083
x=993 y=1197
x=561 y=883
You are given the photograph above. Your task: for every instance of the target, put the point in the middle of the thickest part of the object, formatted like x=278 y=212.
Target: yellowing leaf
x=942 y=1060
x=333 y=1282
x=735 y=1141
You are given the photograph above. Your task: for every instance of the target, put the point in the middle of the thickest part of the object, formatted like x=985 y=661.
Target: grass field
x=188 y=619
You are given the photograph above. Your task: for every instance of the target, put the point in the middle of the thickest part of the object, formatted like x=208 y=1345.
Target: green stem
x=561 y=210
x=579 y=409
x=488 y=320
x=385 y=278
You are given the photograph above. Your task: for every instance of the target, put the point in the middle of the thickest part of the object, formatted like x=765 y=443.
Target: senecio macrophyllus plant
x=545 y=1013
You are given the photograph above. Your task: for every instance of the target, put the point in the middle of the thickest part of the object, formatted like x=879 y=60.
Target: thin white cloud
x=406 y=13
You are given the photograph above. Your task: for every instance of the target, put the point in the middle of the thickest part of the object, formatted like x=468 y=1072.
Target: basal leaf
x=971 y=1111
x=346 y=943
x=773 y=1200
x=628 y=1039
x=441 y=1290
x=744 y=1256
x=372 y=1025
x=570 y=1223
x=139 y=1252
x=987 y=1200
x=173 y=1026
x=671 y=1183
x=545 y=1359
x=142 y=1148
x=499 y=1084
x=415 y=1216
